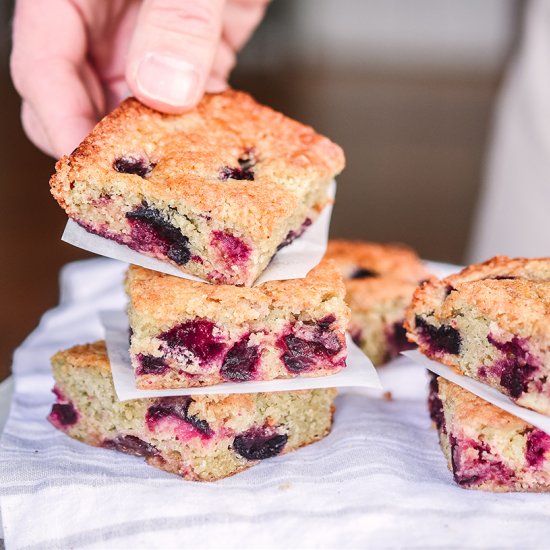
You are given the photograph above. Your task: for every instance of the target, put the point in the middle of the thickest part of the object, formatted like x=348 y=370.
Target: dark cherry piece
x=517 y=368
x=259 y=444
x=293 y=235
x=64 y=413
x=300 y=354
x=356 y=336
x=440 y=339
x=538 y=444
x=148 y=364
x=240 y=362
x=177 y=408
x=138 y=165
x=195 y=336
x=131 y=444
x=435 y=405
x=464 y=465
x=325 y=322
x=320 y=342
x=227 y=173
x=397 y=340
x=448 y=290
x=235 y=251
x=150 y=229
x=244 y=172
x=363 y=273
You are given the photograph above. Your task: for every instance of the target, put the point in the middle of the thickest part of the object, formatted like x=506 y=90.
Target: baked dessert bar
x=486 y=447
x=215 y=191
x=186 y=333
x=380 y=280
x=491 y=322
x=201 y=438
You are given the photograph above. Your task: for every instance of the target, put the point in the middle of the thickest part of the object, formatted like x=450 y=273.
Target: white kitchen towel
x=378 y=480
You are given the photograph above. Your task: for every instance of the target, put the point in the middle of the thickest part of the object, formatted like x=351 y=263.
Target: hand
x=75 y=60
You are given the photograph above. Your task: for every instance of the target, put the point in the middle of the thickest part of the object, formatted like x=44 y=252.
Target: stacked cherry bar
x=215 y=192
x=490 y=322
x=380 y=280
x=185 y=333
x=204 y=438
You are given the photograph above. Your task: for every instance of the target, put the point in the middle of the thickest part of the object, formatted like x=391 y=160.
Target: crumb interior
x=204 y=438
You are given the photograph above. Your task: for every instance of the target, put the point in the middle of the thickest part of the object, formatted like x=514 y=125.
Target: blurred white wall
x=447 y=35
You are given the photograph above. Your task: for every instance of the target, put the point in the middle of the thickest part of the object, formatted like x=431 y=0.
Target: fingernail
x=168 y=79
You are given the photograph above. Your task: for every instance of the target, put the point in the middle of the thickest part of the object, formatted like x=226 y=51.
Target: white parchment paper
x=291 y=262
x=481 y=390
x=359 y=372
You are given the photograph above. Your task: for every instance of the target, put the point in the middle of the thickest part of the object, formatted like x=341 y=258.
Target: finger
x=116 y=90
x=63 y=105
x=240 y=19
x=248 y=13
x=34 y=129
x=172 y=52
x=110 y=29
x=215 y=85
x=223 y=63
x=49 y=71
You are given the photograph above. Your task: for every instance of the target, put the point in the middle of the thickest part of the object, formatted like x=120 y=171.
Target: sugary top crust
x=517 y=291
x=394 y=260
x=84 y=356
x=368 y=293
x=530 y=269
x=397 y=267
x=164 y=297
x=191 y=149
x=469 y=410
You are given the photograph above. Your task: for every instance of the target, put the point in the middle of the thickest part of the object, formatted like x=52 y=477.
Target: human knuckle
x=196 y=18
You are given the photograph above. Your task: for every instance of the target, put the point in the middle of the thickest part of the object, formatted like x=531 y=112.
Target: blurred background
x=406 y=88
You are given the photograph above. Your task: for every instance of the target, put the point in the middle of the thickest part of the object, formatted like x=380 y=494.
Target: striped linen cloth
x=378 y=480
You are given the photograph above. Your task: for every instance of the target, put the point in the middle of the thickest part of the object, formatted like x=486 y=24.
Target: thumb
x=172 y=52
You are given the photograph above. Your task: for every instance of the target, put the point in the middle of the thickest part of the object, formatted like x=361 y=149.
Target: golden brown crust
x=397 y=261
x=368 y=293
x=533 y=269
x=190 y=150
x=396 y=267
x=164 y=297
x=470 y=410
x=487 y=448
x=380 y=280
x=84 y=356
x=513 y=292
